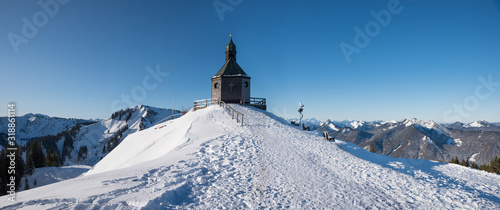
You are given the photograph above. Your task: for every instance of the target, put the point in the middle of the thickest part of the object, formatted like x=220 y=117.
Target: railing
x=232 y=112
x=200 y=104
x=174 y=116
x=259 y=103
x=253 y=101
x=203 y=103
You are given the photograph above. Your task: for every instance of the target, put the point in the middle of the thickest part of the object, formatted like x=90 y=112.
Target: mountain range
x=85 y=142
x=206 y=160
x=78 y=141
x=478 y=141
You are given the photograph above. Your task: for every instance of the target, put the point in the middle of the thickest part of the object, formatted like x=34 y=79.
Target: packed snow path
x=206 y=160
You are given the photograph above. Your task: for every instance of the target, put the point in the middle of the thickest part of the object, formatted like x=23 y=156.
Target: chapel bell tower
x=231 y=83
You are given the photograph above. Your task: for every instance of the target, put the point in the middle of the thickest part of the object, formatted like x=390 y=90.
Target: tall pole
x=173 y=98
x=300 y=112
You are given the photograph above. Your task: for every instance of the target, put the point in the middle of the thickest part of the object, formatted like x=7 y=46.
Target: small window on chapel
x=245 y=84
x=216 y=85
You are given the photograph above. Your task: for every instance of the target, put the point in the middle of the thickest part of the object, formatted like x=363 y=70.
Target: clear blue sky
x=421 y=63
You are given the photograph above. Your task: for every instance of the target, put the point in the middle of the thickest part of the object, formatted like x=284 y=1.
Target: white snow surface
x=205 y=160
x=456 y=142
x=332 y=126
x=473 y=157
x=476 y=124
x=49 y=175
x=352 y=123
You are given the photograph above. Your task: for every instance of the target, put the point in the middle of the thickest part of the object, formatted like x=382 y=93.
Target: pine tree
x=67 y=147
x=82 y=153
x=20 y=166
x=4 y=169
x=27 y=185
x=372 y=147
x=30 y=167
x=495 y=165
x=49 y=159
x=485 y=168
x=56 y=159
x=474 y=165
x=36 y=153
x=34 y=183
x=52 y=159
x=464 y=163
x=4 y=176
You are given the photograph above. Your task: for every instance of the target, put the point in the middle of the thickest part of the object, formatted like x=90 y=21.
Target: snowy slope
x=97 y=136
x=48 y=175
x=205 y=160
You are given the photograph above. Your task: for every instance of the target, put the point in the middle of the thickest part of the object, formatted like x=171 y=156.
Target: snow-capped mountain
x=412 y=138
x=98 y=139
x=426 y=126
x=204 y=160
x=84 y=142
x=36 y=125
x=475 y=126
x=80 y=142
x=314 y=124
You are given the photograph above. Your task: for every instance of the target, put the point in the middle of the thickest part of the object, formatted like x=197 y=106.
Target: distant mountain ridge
x=91 y=140
x=35 y=125
x=477 y=141
x=80 y=141
x=205 y=160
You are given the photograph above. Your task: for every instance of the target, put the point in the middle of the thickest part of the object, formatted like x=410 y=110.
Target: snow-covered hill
x=102 y=137
x=37 y=125
x=83 y=142
x=205 y=160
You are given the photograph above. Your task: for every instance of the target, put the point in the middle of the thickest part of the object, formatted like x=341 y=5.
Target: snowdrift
x=206 y=160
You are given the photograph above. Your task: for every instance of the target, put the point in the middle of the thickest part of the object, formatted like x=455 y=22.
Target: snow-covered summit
x=429 y=125
x=33 y=116
x=205 y=160
x=476 y=125
x=479 y=124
